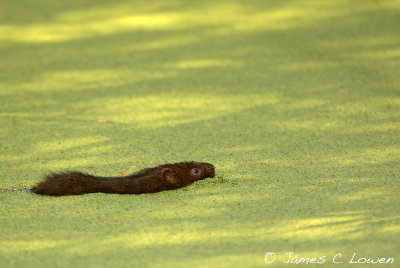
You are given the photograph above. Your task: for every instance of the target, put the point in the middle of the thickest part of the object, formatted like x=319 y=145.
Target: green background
x=296 y=103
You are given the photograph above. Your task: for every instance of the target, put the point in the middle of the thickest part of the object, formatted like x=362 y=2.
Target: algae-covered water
x=296 y=103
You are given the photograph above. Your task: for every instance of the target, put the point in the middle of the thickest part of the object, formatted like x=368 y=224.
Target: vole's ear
x=170 y=176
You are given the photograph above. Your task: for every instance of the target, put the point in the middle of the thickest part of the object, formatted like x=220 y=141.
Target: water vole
x=149 y=180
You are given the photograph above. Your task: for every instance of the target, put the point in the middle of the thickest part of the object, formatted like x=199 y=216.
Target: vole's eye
x=195 y=171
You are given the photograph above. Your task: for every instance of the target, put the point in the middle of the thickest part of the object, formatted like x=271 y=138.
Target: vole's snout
x=210 y=171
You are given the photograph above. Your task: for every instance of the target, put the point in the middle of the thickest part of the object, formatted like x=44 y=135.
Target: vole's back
x=67 y=183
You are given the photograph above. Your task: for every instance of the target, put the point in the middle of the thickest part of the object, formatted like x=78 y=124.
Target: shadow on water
x=295 y=103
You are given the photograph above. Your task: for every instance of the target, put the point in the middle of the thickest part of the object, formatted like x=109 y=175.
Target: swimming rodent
x=149 y=180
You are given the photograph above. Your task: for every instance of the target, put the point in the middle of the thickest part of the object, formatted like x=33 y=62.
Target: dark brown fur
x=150 y=180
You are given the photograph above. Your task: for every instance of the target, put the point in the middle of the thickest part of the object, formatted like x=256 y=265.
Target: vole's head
x=182 y=174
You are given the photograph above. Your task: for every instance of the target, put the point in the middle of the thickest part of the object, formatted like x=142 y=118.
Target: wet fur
x=150 y=180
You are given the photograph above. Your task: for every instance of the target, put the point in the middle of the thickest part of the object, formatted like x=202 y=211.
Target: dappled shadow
x=296 y=104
